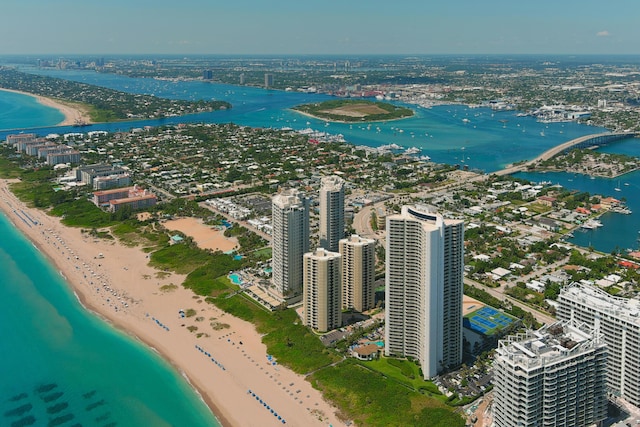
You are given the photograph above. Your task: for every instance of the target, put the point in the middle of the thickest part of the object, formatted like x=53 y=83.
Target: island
x=348 y=111
x=99 y=103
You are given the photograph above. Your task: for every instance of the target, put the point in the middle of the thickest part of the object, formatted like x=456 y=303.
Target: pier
x=586 y=141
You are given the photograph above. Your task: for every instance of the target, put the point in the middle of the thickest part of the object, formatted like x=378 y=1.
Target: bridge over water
x=582 y=142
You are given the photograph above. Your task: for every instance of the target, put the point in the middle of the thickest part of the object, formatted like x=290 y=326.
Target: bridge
x=582 y=142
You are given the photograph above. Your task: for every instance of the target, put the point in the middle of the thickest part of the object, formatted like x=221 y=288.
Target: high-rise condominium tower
x=618 y=319
x=322 y=290
x=331 y=212
x=424 y=273
x=358 y=273
x=551 y=377
x=290 y=241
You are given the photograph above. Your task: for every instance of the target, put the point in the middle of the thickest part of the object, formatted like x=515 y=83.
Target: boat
x=591 y=224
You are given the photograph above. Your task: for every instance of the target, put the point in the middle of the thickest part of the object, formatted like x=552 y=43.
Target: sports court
x=487 y=320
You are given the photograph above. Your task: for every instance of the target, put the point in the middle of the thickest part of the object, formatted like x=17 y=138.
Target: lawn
x=370 y=400
x=405 y=372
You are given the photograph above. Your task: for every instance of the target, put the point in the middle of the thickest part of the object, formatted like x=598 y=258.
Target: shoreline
x=117 y=285
x=618 y=175
x=72 y=114
x=350 y=122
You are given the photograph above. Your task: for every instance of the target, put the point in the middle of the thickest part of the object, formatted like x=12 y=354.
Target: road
x=555 y=151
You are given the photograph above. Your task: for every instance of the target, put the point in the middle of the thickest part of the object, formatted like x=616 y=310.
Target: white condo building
x=550 y=377
x=331 y=212
x=290 y=241
x=424 y=284
x=358 y=273
x=321 y=295
x=618 y=319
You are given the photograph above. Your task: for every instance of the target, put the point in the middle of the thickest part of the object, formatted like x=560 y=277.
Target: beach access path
x=228 y=366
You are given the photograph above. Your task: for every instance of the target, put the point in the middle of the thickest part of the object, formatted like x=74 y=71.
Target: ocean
x=61 y=364
x=18 y=111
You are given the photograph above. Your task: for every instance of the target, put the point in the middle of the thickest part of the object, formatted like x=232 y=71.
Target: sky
x=319 y=27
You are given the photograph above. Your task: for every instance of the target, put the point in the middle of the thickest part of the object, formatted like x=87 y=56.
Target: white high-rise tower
x=618 y=319
x=424 y=284
x=290 y=241
x=331 y=212
x=551 y=377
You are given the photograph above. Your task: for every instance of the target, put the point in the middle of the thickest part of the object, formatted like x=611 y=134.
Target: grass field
x=356 y=110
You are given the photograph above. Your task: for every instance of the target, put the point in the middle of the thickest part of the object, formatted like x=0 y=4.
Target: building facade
x=321 y=295
x=20 y=139
x=424 y=284
x=550 y=377
x=331 y=212
x=268 y=80
x=290 y=241
x=618 y=319
x=358 y=273
x=87 y=174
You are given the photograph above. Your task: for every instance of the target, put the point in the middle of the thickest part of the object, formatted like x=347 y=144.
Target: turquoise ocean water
x=55 y=353
x=61 y=364
x=20 y=111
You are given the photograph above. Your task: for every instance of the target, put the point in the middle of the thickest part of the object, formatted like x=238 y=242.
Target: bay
x=619 y=232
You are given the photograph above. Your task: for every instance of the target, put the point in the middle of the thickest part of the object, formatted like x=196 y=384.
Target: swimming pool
x=235 y=278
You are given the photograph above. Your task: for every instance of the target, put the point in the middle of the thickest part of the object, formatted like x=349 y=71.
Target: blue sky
x=319 y=27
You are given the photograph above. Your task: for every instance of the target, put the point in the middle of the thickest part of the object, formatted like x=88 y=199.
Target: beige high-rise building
x=290 y=241
x=424 y=284
x=358 y=273
x=321 y=295
x=331 y=212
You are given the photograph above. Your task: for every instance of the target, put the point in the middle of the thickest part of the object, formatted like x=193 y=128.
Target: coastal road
x=362 y=221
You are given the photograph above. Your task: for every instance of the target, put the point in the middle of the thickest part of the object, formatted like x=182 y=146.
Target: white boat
x=591 y=224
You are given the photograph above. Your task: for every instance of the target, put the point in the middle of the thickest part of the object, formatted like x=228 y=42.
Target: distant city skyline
x=290 y=27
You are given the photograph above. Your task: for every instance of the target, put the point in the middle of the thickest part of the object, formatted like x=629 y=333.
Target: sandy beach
x=227 y=363
x=72 y=114
x=206 y=237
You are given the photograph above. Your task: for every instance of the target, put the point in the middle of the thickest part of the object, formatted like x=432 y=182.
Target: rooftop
x=549 y=344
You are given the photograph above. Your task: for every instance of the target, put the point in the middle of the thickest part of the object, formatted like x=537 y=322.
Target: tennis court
x=487 y=320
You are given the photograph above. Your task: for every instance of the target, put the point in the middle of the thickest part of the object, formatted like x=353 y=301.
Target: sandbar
x=227 y=364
